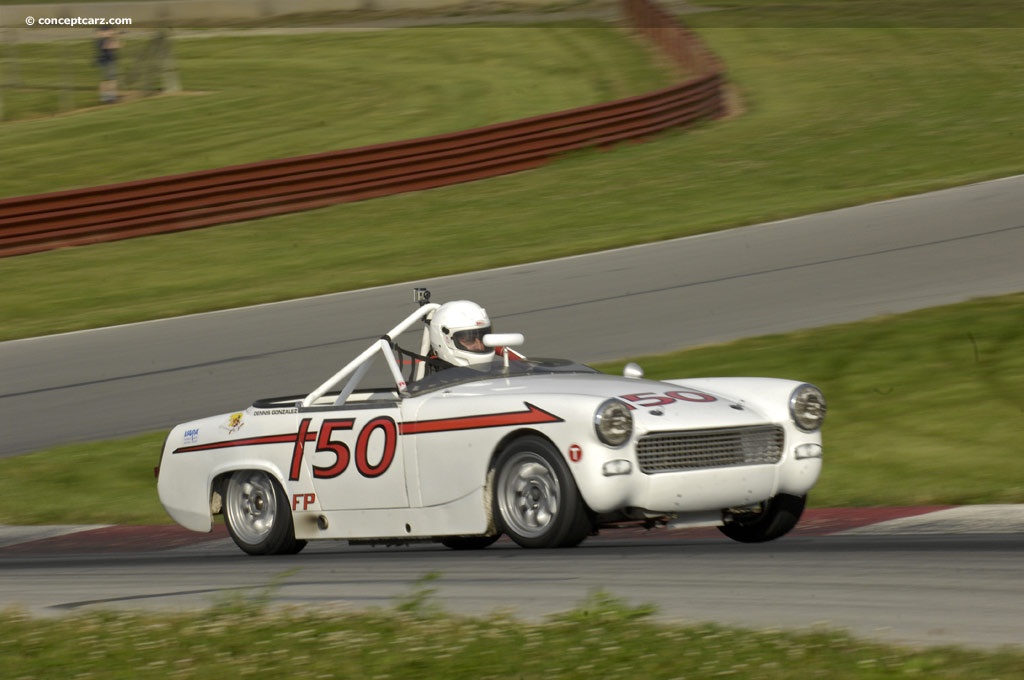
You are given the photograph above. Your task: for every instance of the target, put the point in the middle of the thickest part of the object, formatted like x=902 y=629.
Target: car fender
x=582 y=452
x=186 y=481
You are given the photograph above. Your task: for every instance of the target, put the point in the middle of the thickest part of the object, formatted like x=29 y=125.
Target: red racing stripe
x=250 y=441
x=531 y=416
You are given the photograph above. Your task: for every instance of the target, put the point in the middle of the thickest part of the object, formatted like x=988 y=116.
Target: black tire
x=536 y=502
x=469 y=542
x=257 y=514
x=774 y=518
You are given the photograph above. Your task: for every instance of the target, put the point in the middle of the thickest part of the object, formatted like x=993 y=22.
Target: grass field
x=863 y=14
x=602 y=638
x=272 y=96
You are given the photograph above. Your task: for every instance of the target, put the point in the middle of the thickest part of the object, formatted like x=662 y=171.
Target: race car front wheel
x=469 y=542
x=536 y=502
x=257 y=514
x=771 y=519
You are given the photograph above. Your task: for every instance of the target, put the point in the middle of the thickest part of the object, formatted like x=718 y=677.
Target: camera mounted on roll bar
x=420 y=296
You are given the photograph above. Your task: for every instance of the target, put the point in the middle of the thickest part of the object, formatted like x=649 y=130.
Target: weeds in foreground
x=604 y=637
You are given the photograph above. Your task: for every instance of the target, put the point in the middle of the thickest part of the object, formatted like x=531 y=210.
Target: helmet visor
x=472 y=340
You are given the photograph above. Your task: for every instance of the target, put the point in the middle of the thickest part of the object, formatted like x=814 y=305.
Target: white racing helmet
x=456 y=333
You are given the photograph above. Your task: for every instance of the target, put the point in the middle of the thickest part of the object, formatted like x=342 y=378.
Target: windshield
x=496 y=369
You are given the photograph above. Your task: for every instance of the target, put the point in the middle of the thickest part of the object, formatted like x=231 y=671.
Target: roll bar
x=358 y=366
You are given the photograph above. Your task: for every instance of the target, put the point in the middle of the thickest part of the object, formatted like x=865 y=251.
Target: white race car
x=545 y=451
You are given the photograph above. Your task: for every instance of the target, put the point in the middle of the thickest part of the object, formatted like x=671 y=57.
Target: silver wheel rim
x=528 y=494
x=251 y=506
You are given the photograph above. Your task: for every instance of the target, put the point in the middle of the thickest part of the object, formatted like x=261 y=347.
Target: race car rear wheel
x=770 y=520
x=536 y=502
x=257 y=514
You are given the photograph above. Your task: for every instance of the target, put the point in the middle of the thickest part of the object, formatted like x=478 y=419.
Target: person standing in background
x=107 y=44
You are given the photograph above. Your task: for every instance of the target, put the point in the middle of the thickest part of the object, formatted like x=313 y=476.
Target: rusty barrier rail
x=206 y=198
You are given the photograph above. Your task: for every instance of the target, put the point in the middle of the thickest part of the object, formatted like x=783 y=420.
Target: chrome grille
x=702 y=449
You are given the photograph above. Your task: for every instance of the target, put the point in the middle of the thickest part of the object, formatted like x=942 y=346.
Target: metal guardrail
x=206 y=198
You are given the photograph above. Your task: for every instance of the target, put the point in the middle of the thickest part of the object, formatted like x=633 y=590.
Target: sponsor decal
x=235 y=423
x=191 y=436
x=275 y=411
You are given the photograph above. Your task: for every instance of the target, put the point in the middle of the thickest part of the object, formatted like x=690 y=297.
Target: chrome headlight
x=807 y=407
x=613 y=423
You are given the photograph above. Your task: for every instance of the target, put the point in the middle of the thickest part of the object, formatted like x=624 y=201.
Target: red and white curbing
x=15 y=535
x=929 y=520
x=964 y=519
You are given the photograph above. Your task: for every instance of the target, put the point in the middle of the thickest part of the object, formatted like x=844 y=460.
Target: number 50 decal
x=325 y=441
x=651 y=400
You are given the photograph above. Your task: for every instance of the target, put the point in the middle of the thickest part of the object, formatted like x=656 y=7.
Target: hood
x=657 y=405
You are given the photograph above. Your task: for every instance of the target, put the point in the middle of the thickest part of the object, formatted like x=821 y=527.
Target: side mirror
x=503 y=340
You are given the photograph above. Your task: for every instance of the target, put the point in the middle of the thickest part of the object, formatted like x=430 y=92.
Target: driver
x=457 y=332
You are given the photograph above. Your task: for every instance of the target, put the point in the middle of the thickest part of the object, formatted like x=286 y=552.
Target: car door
x=452 y=434
x=353 y=456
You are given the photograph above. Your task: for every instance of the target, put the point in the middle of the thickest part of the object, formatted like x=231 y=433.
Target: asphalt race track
x=883 y=577
x=811 y=271
x=910 y=580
